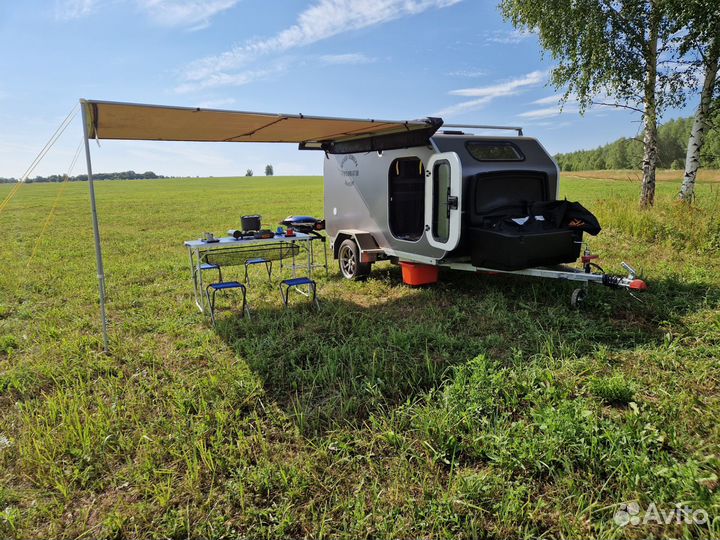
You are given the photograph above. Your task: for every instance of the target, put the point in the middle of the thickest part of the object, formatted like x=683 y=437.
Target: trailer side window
x=406 y=198
x=441 y=192
x=494 y=151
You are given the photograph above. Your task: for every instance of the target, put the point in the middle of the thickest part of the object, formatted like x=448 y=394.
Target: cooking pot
x=250 y=223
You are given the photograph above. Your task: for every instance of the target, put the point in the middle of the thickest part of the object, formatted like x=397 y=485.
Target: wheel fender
x=364 y=240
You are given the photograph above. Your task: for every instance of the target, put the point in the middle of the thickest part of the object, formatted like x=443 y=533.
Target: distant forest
x=626 y=153
x=125 y=175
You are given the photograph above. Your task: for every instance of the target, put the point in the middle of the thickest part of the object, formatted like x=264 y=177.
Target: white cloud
x=465 y=106
x=468 y=73
x=549 y=100
x=324 y=19
x=195 y=14
x=73 y=9
x=350 y=58
x=555 y=99
x=548 y=112
x=485 y=94
x=556 y=107
x=231 y=79
x=508 y=38
x=602 y=102
x=216 y=103
x=502 y=89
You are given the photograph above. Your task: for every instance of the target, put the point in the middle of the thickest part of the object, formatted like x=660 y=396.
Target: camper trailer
x=420 y=193
x=480 y=203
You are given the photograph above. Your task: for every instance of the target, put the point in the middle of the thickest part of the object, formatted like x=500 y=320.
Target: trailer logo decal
x=349 y=169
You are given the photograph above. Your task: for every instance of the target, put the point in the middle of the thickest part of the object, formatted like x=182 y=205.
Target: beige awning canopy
x=131 y=121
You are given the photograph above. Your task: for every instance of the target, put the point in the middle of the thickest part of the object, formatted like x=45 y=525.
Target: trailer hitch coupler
x=638 y=285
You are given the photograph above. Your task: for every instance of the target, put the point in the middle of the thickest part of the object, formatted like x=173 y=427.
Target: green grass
x=615 y=390
x=479 y=407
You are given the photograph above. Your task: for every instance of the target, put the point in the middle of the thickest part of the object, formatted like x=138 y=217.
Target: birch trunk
x=700 y=125
x=647 y=196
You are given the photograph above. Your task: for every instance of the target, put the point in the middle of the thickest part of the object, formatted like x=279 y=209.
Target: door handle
x=452 y=202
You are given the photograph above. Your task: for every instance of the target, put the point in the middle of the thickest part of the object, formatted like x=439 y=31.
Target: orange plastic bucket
x=415 y=274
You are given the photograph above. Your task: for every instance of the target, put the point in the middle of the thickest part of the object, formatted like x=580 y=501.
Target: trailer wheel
x=349 y=261
x=578 y=298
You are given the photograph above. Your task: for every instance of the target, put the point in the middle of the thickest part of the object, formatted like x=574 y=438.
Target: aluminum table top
x=229 y=241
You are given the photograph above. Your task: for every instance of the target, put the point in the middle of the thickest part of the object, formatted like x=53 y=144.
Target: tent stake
x=96 y=229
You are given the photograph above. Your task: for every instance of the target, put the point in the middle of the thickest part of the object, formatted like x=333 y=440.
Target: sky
x=384 y=59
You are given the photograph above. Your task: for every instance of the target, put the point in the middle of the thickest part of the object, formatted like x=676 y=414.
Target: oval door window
x=441 y=194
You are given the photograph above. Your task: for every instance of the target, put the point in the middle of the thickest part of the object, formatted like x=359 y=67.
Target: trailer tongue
x=586 y=276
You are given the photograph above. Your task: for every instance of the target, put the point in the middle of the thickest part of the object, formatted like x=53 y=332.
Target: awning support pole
x=96 y=229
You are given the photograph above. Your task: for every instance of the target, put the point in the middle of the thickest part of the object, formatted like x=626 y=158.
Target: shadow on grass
x=333 y=367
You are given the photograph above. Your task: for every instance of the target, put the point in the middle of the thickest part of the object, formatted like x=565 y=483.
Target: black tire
x=577 y=299
x=349 y=262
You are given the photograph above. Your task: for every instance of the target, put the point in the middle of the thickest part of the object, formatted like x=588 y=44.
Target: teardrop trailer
x=459 y=201
x=402 y=191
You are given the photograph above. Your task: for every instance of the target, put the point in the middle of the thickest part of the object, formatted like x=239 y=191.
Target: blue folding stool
x=226 y=285
x=266 y=262
x=209 y=266
x=298 y=282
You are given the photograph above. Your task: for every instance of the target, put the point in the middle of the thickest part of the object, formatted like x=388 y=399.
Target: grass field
x=480 y=407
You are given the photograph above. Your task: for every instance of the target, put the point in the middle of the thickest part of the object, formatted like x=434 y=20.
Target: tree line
x=627 y=152
x=124 y=175
x=642 y=55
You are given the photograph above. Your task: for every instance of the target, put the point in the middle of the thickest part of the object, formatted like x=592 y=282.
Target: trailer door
x=443 y=200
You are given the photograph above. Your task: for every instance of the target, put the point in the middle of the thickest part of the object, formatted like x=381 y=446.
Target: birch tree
x=700 y=125
x=703 y=38
x=608 y=53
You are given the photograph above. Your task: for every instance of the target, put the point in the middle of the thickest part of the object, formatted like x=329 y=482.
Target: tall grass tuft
x=614 y=390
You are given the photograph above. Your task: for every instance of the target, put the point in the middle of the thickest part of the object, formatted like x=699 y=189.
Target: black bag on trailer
x=526 y=234
x=572 y=215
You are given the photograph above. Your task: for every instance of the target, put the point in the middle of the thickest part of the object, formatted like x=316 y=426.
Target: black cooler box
x=517 y=249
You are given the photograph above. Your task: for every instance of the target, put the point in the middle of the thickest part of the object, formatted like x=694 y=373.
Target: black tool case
x=512 y=225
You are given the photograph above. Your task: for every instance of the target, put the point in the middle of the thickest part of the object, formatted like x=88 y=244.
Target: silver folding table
x=197 y=249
